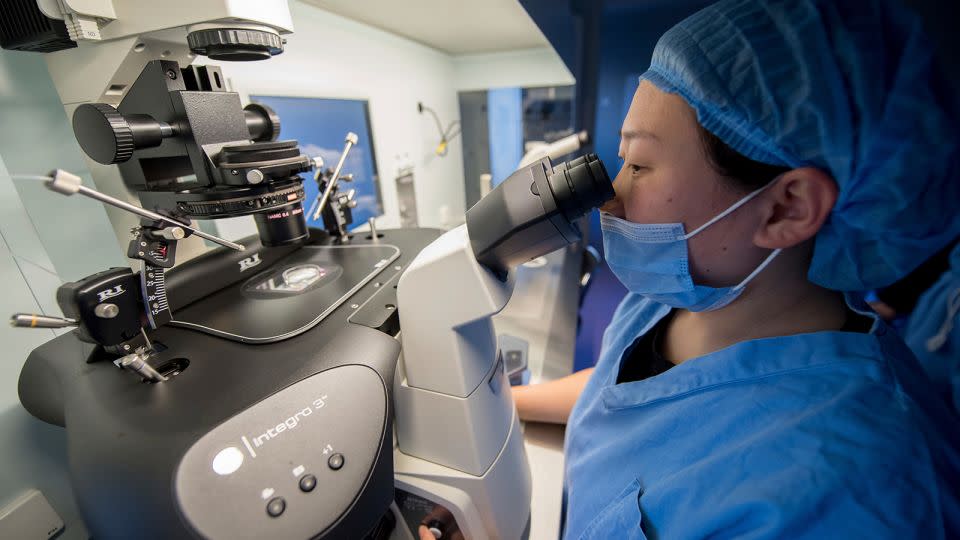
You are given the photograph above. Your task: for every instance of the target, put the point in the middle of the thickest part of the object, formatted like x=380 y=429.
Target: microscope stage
x=290 y=296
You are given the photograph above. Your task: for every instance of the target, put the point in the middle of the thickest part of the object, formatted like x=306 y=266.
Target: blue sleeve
x=933 y=334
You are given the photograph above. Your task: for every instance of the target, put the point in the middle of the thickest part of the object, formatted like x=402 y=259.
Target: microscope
x=299 y=383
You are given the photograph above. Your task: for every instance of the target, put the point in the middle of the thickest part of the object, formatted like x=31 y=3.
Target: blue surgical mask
x=651 y=260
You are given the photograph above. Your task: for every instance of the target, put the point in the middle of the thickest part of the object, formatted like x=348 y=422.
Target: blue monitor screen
x=320 y=125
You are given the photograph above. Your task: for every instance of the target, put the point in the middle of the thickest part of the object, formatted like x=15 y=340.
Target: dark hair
x=741 y=171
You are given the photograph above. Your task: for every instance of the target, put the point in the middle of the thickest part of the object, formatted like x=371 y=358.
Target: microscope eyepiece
x=580 y=185
x=534 y=211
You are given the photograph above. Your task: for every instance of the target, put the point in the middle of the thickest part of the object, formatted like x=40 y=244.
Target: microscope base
x=476 y=505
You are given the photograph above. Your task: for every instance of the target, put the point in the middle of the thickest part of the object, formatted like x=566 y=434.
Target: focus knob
x=109 y=137
x=262 y=122
x=103 y=133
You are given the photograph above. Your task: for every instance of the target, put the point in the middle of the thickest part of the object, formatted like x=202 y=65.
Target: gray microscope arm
x=455 y=419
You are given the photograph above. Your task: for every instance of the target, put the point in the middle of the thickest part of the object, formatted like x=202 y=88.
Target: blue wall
x=627 y=38
x=320 y=125
x=505 y=121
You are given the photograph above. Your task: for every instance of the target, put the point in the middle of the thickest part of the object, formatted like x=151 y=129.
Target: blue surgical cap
x=850 y=87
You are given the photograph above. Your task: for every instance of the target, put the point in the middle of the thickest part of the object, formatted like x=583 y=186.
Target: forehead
x=654 y=112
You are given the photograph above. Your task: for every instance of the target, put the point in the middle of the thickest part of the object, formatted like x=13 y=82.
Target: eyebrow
x=638 y=134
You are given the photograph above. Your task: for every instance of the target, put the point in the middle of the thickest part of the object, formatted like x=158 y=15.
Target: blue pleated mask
x=652 y=260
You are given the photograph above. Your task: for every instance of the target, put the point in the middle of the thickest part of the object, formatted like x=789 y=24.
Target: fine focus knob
x=235 y=44
x=103 y=133
x=262 y=122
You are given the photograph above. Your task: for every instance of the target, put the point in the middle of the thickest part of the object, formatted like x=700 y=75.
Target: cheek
x=651 y=199
x=723 y=254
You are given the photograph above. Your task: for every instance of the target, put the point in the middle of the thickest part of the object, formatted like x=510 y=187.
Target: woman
x=776 y=156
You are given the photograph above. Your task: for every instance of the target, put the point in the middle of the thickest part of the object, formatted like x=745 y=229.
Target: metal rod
x=137 y=362
x=66 y=183
x=373 y=228
x=350 y=141
x=29 y=320
x=94 y=194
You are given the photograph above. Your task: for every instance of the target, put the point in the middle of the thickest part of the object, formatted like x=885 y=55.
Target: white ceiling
x=453 y=26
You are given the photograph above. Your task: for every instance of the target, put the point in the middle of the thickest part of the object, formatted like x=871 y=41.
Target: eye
x=637 y=169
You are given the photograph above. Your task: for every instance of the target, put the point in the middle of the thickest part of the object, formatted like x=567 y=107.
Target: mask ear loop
x=766 y=262
x=730 y=210
x=940 y=338
x=759 y=269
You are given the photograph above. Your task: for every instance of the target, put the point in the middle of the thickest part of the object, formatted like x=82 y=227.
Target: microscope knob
x=109 y=137
x=235 y=44
x=262 y=122
x=103 y=133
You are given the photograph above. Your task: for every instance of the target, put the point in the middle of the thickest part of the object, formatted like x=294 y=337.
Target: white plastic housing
x=446 y=299
x=463 y=433
x=459 y=442
x=494 y=506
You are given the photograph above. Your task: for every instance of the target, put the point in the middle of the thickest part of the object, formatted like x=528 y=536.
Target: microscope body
x=456 y=423
x=451 y=384
x=271 y=374
x=270 y=414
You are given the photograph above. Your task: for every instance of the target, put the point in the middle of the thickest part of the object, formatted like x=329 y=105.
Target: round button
x=335 y=462
x=255 y=176
x=276 y=506
x=227 y=461
x=307 y=483
x=106 y=311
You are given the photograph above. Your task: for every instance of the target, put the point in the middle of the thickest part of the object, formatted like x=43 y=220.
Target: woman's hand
x=442 y=520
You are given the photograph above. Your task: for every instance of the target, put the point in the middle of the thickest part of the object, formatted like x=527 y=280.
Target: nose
x=615 y=205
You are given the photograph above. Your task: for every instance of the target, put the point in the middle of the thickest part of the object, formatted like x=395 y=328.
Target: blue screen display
x=320 y=125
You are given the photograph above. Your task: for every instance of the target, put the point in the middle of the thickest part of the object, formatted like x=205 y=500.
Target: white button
x=254 y=176
x=227 y=461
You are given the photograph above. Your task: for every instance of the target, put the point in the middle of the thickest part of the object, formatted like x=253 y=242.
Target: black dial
x=103 y=133
x=110 y=137
x=262 y=121
x=235 y=44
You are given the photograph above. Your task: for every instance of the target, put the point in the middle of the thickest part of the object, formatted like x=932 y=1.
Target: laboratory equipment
x=252 y=390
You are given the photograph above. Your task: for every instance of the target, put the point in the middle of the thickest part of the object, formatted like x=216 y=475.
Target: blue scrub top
x=820 y=435
x=933 y=332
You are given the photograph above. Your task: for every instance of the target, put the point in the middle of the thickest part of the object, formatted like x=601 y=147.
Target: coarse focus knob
x=235 y=44
x=103 y=133
x=110 y=137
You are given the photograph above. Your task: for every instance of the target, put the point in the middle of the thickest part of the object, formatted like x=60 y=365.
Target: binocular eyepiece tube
x=534 y=211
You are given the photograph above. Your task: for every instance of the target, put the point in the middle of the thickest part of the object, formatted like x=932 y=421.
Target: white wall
x=37 y=137
x=525 y=68
x=45 y=238
x=332 y=57
x=34 y=454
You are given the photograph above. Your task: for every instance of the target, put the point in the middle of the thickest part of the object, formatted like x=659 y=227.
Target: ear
x=795 y=208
